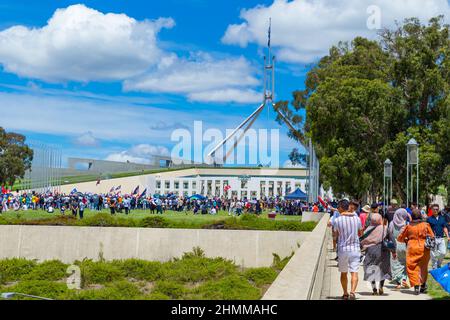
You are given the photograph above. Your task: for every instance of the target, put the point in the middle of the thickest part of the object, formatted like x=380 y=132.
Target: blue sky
x=113 y=79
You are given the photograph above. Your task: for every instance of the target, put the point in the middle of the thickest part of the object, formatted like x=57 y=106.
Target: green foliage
x=99 y=272
x=104 y=219
x=228 y=288
x=41 y=288
x=171 y=289
x=279 y=263
x=154 y=222
x=15 y=158
x=48 y=270
x=14 y=269
x=100 y=220
x=191 y=277
x=260 y=276
x=366 y=99
x=194 y=269
x=119 y=290
x=140 y=269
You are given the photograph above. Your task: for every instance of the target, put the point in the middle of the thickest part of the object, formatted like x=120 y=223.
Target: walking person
x=348 y=228
x=417 y=254
x=81 y=208
x=398 y=261
x=438 y=224
x=377 y=266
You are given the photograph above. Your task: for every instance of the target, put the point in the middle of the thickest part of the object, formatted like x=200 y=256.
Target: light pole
x=387 y=184
x=10 y=295
x=412 y=159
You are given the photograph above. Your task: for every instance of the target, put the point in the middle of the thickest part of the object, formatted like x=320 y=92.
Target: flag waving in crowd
x=136 y=191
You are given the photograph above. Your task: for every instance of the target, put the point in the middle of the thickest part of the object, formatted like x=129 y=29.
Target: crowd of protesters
x=392 y=244
x=77 y=202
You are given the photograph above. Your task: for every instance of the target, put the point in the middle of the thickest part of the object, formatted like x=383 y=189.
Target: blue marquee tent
x=197 y=197
x=297 y=195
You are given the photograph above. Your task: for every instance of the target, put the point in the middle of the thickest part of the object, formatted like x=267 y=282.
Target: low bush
x=100 y=220
x=279 y=263
x=171 y=289
x=154 y=222
x=14 y=269
x=99 y=272
x=119 y=290
x=48 y=270
x=140 y=269
x=229 y=288
x=41 y=288
x=260 y=276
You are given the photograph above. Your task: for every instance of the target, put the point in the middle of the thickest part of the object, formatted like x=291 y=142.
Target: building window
x=158 y=184
x=177 y=185
x=167 y=184
x=186 y=185
x=194 y=185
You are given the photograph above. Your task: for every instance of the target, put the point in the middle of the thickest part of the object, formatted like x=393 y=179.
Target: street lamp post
x=387 y=184
x=412 y=159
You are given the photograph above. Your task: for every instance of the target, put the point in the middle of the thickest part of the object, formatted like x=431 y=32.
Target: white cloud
x=201 y=78
x=141 y=153
x=87 y=139
x=304 y=30
x=82 y=44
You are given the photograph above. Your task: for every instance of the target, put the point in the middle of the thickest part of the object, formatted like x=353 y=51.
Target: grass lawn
x=192 y=277
x=170 y=219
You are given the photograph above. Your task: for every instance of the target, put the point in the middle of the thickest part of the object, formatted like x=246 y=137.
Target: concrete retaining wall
x=246 y=248
x=302 y=277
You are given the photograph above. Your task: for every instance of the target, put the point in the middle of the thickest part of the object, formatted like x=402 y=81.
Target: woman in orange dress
x=417 y=256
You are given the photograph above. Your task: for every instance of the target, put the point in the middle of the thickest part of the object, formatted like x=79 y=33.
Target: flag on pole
x=136 y=191
x=227 y=187
x=98 y=182
x=118 y=188
x=143 y=193
x=73 y=191
x=112 y=190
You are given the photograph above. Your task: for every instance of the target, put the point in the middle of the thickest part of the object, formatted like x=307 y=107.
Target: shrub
x=140 y=269
x=229 y=288
x=195 y=269
x=99 y=272
x=48 y=270
x=154 y=222
x=99 y=220
x=41 y=288
x=170 y=289
x=260 y=276
x=120 y=290
x=278 y=263
x=14 y=269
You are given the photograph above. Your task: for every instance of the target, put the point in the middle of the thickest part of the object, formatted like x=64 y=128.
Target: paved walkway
x=332 y=287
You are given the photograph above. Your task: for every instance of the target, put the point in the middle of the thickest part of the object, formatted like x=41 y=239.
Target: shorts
x=349 y=261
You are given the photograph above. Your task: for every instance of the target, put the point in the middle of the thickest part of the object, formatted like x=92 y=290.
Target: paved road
x=332 y=287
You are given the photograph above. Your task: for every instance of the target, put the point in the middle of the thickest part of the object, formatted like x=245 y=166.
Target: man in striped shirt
x=348 y=227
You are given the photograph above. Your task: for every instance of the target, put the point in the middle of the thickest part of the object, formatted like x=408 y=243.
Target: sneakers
x=423 y=288
x=416 y=290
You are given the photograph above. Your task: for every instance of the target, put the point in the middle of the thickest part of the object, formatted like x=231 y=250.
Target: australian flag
x=136 y=191
x=74 y=190
x=118 y=188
